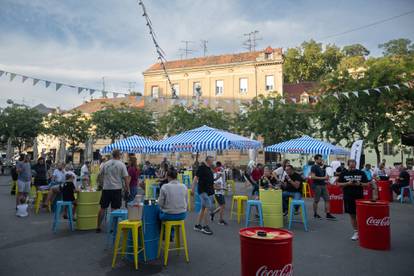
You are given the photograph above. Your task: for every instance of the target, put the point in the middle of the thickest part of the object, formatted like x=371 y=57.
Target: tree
x=309 y=62
x=74 y=126
x=376 y=118
x=397 y=47
x=20 y=123
x=355 y=50
x=275 y=120
x=116 y=122
x=180 y=118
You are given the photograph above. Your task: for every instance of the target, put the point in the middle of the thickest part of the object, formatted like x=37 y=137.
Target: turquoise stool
x=115 y=217
x=154 y=190
x=301 y=204
x=410 y=194
x=250 y=204
x=59 y=206
x=186 y=180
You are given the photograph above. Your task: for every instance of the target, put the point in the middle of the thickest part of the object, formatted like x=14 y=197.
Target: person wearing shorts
x=352 y=182
x=24 y=178
x=204 y=179
x=219 y=189
x=319 y=178
x=115 y=175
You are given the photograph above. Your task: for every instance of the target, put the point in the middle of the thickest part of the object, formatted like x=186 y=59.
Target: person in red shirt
x=256 y=175
x=134 y=173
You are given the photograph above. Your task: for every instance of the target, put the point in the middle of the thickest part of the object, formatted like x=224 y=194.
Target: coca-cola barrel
x=373 y=220
x=266 y=251
x=336 y=199
x=384 y=190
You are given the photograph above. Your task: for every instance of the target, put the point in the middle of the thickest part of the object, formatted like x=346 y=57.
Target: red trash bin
x=384 y=190
x=266 y=251
x=336 y=199
x=373 y=220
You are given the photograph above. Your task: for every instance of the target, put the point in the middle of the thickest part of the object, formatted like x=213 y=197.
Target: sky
x=80 y=42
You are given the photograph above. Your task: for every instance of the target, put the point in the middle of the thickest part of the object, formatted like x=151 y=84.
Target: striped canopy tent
x=204 y=139
x=306 y=145
x=132 y=144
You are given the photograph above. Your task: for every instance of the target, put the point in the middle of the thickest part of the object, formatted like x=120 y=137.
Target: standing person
x=368 y=171
x=114 y=174
x=403 y=180
x=24 y=177
x=40 y=169
x=134 y=173
x=85 y=174
x=173 y=198
x=319 y=178
x=58 y=176
x=256 y=175
x=352 y=181
x=204 y=179
x=292 y=187
x=219 y=189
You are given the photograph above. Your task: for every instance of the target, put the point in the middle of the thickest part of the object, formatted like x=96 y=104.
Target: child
x=22 y=208
x=68 y=190
x=220 y=187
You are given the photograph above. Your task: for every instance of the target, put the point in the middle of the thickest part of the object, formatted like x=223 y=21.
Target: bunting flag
x=91 y=91
x=346 y=94
x=405 y=84
x=366 y=91
x=397 y=86
x=47 y=83
x=283 y=101
x=1 y=73
x=80 y=89
x=355 y=93
x=12 y=76
x=35 y=81
x=388 y=88
x=58 y=86
x=260 y=101
x=377 y=89
x=24 y=78
x=336 y=95
x=271 y=102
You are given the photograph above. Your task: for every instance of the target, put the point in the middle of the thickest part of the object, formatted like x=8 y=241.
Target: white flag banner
x=387 y=88
x=260 y=101
x=366 y=91
x=356 y=151
x=24 y=78
x=355 y=93
x=80 y=89
x=58 y=86
x=346 y=94
x=336 y=95
x=283 y=101
x=47 y=83
x=12 y=76
x=1 y=73
x=397 y=86
x=91 y=91
x=35 y=81
x=378 y=90
x=406 y=84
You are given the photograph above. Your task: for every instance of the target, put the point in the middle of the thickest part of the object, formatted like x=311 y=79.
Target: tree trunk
x=377 y=152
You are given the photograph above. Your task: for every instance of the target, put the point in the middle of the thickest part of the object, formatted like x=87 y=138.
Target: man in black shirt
x=292 y=187
x=204 y=178
x=352 y=181
x=319 y=178
x=403 y=180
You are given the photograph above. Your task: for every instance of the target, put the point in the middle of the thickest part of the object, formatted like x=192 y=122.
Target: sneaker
x=206 y=230
x=398 y=197
x=222 y=222
x=317 y=216
x=285 y=213
x=198 y=227
x=355 y=236
x=330 y=217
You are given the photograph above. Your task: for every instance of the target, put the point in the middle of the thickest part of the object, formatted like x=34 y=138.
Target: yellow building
x=221 y=82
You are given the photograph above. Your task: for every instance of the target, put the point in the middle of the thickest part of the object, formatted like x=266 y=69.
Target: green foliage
x=179 y=119
x=397 y=47
x=74 y=126
x=355 y=50
x=20 y=123
x=274 y=120
x=116 y=122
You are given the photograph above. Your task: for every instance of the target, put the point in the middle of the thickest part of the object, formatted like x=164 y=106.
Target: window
x=176 y=88
x=197 y=89
x=219 y=87
x=155 y=92
x=243 y=85
x=388 y=149
x=268 y=56
x=270 y=82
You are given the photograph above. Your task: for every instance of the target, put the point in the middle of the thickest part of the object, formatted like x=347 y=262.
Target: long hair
x=133 y=162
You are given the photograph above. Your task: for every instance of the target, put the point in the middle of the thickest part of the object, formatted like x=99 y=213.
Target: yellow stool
x=239 y=199
x=306 y=190
x=232 y=185
x=166 y=232
x=124 y=227
x=39 y=200
x=189 y=199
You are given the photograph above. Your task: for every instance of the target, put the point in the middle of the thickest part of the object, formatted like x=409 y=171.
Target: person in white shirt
x=85 y=174
x=173 y=198
x=280 y=173
x=58 y=176
x=219 y=189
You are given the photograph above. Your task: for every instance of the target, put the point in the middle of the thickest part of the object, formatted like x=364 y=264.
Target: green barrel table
x=272 y=207
x=87 y=210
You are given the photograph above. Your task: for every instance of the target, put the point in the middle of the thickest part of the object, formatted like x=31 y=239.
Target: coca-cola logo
x=287 y=270
x=385 y=221
x=336 y=197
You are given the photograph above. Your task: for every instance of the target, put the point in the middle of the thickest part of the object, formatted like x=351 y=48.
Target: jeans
x=286 y=196
x=207 y=201
x=165 y=216
x=396 y=187
x=132 y=193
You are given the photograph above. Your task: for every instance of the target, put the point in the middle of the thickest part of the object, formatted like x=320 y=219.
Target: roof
x=98 y=104
x=294 y=90
x=215 y=60
x=44 y=109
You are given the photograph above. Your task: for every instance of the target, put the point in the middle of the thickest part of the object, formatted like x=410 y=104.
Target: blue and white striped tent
x=132 y=144
x=204 y=139
x=306 y=145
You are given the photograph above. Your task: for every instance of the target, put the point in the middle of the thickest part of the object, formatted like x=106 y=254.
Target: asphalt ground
x=29 y=247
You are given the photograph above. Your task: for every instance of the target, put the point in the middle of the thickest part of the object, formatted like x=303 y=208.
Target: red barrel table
x=266 y=251
x=336 y=199
x=384 y=190
x=368 y=192
x=373 y=220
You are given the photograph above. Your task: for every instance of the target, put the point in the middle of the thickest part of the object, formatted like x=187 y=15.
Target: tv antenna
x=204 y=46
x=251 y=42
x=186 y=51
